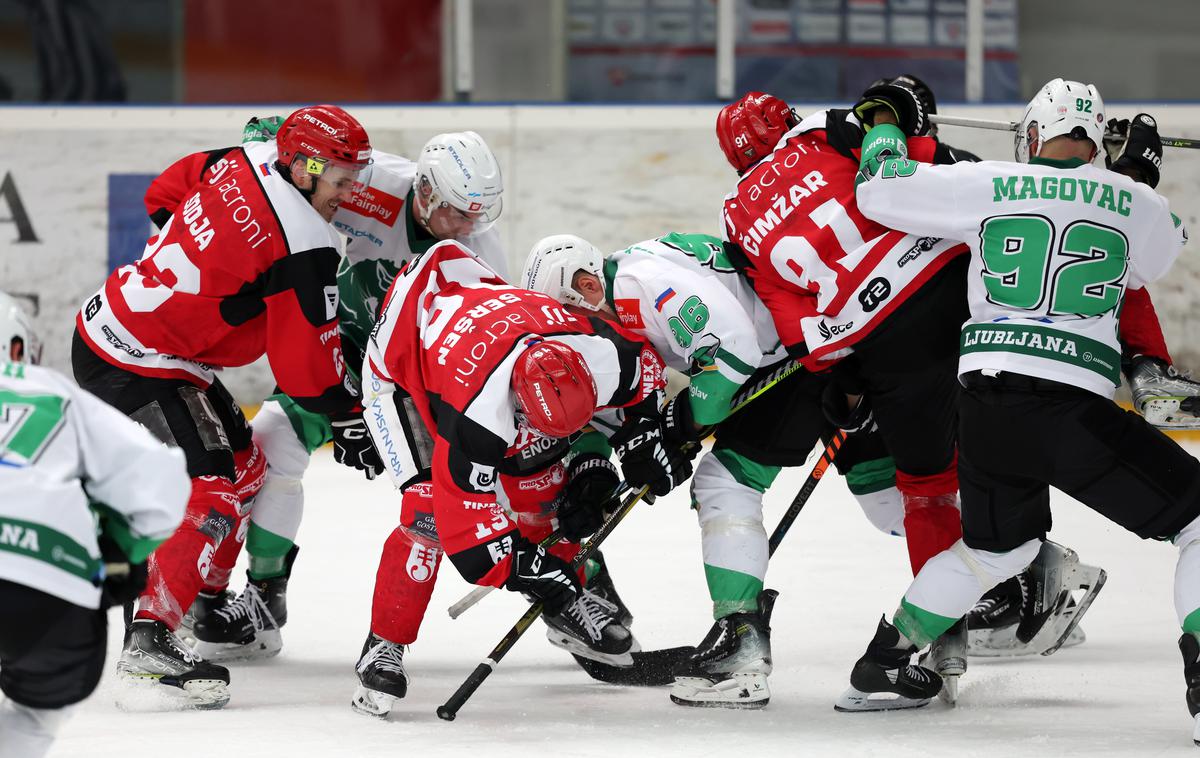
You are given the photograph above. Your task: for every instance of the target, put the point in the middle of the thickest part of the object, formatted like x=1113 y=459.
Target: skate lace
x=176 y=648
x=592 y=612
x=918 y=674
x=385 y=655
x=248 y=605
x=984 y=606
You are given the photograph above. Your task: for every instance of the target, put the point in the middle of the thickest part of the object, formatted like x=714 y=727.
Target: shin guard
x=251 y=467
x=180 y=566
x=403 y=585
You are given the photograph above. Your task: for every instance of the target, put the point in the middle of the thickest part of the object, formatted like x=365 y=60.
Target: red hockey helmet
x=325 y=135
x=750 y=128
x=555 y=389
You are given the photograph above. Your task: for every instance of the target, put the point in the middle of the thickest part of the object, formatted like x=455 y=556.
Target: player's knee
x=732 y=526
x=991 y=568
x=284 y=451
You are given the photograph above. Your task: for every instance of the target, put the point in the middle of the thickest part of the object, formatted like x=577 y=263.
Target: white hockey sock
x=28 y=732
x=1187 y=577
x=884 y=509
x=951 y=582
x=733 y=539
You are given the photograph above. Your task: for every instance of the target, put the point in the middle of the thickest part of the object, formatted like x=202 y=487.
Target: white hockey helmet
x=1061 y=107
x=16 y=333
x=458 y=169
x=553 y=263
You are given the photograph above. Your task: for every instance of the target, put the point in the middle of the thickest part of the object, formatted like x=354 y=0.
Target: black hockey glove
x=123 y=581
x=679 y=427
x=900 y=100
x=545 y=576
x=1139 y=153
x=838 y=412
x=647 y=460
x=591 y=483
x=352 y=445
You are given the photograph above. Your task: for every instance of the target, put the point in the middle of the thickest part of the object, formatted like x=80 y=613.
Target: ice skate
x=204 y=604
x=1050 y=613
x=601 y=583
x=884 y=680
x=730 y=666
x=591 y=627
x=1164 y=396
x=382 y=679
x=948 y=657
x=248 y=628
x=154 y=657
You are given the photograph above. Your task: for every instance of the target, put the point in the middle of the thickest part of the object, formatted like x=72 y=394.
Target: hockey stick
x=827 y=455
x=742 y=399
x=1012 y=126
x=448 y=710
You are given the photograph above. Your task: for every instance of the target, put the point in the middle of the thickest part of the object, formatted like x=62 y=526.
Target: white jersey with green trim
x=380 y=226
x=60 y=449
x=1054 y=246
x=682 y=294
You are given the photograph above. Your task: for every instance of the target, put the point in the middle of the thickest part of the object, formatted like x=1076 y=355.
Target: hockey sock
x=950 y=583
x=1187 y=572
x=268 y=552
x=932 y=521
x=873 y=484
x=727 y=494
x=403 y=586
x=251 y=467
x=179 y=567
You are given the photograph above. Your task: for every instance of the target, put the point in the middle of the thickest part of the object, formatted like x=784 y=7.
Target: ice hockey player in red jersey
x=244 y=265
x=471 y=387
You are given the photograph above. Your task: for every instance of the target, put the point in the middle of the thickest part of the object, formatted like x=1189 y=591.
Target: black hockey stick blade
x=651 y=668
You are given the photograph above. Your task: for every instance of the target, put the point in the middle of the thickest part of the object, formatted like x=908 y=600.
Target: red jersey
x=243 y=266
x=827 y=273
x=448 y=335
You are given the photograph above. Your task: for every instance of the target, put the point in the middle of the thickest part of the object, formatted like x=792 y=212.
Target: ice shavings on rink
x=1119 y=694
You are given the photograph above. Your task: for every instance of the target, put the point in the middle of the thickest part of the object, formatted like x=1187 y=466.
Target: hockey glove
x=1139 y=153
x=352 y=445
x=261 y=129
x=647 y=460
x=679 y=426
x=123 y=581
x=901 y=101
x=837 y=410
x=545 y=576
x=591 y=483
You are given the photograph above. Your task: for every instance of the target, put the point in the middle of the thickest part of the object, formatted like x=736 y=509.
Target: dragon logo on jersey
x=422 y=562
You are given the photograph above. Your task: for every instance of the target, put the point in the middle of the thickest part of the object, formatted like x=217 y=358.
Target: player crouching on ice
x=1039 y=363
x=472 y=388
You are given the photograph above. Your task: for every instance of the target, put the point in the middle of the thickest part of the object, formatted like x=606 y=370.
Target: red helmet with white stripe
x=554 y=388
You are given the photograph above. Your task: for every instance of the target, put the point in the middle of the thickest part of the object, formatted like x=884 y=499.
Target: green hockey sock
x=732 y=591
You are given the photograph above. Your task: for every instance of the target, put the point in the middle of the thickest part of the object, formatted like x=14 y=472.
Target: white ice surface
x=1119 y=694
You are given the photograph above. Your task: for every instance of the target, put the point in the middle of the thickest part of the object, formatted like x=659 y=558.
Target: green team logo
x=708 y=251
x=28 y=422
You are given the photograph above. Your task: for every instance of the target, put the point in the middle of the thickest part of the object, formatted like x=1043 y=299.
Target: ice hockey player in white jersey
x=454 y=190
x=681 y=293
x=66 y=460
x=1055 y=242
